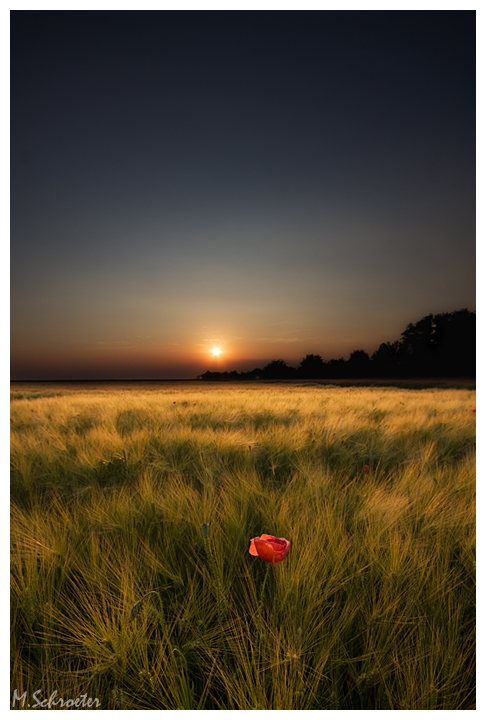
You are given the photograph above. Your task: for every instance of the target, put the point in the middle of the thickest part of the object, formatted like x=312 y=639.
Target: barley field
x=132 y=511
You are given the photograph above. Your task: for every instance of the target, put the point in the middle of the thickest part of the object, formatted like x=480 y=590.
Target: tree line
x=441 y=345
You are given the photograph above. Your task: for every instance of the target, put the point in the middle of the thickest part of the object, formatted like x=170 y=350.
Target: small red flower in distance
x=366 y=468
x=175 y=402
x=269 y=548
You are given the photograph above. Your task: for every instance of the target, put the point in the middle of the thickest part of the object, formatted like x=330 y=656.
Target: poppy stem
x=260 y=605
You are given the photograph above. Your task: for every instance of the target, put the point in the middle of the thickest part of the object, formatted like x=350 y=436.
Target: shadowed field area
x=117 y=593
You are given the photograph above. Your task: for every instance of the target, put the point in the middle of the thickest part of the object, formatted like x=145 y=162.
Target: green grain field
x=118 y=595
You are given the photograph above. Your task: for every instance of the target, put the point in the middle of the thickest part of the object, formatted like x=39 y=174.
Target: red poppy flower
x=269 y=548
x=366 y=468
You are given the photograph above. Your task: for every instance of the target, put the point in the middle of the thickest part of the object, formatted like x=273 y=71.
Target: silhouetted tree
x=336 y=369
x=359 y=364
x=455 y=339
x=312 y=366
x=207 y=376
x=278 y=370
x=418 y=344
x=220 y=376
x=386 y=360
x=440 y=345
x=255 y=374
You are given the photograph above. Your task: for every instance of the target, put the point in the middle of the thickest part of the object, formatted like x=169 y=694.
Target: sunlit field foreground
x=119 y=594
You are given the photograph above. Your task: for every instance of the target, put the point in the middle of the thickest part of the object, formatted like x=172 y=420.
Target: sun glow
x=216 y=351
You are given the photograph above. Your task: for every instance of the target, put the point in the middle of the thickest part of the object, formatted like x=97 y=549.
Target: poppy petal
x=252 y=549
x=265 y=550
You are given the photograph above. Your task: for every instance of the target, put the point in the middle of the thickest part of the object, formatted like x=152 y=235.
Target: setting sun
x=216 y=351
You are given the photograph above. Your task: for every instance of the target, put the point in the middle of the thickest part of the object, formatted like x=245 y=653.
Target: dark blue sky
x=273 y=183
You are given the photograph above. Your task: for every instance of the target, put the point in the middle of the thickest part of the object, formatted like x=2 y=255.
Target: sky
x=269 y=183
